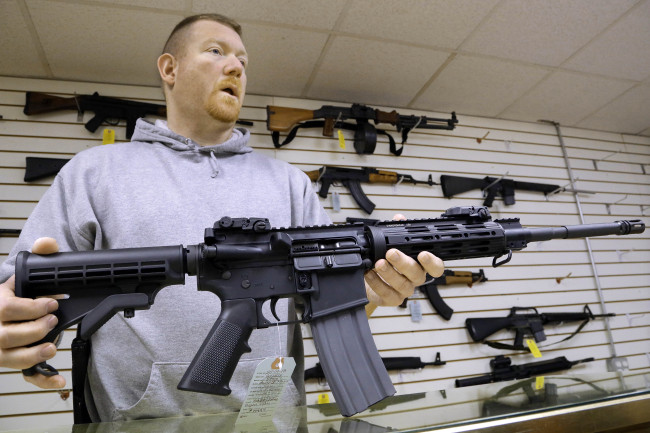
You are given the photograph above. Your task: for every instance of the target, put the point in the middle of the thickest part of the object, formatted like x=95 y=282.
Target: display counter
x=612 y=402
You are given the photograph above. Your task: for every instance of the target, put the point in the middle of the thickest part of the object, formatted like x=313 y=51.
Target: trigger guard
x=274 y=302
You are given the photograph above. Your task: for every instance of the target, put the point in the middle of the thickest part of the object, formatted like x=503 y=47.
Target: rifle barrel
x=576 y=231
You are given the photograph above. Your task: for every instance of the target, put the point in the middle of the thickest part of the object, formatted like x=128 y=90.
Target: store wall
x=554 y=276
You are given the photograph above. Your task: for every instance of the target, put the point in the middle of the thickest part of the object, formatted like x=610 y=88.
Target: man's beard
x=222 y=107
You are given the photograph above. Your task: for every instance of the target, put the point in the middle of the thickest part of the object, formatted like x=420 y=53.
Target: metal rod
x=587 y=241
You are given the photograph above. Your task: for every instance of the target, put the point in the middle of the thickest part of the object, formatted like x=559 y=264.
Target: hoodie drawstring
x=214 y=165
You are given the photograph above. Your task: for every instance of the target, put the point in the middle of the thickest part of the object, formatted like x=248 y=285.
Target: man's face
x=211 y=72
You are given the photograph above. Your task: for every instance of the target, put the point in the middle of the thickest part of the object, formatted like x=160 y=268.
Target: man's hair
x=176 y=40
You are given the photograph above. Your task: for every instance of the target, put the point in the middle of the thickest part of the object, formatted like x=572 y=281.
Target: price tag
x=108 y=136
x=323 y=398
x=268 y=382
x=336 y=201
x=533 y=348
x=416 y=311
x=341 y=139
x=539 y=382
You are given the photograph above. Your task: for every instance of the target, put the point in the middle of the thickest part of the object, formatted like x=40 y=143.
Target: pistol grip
x=215 y=362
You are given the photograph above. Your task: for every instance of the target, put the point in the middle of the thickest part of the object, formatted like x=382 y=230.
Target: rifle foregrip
x=214 y=364
x=471 y=381
x=349 y=358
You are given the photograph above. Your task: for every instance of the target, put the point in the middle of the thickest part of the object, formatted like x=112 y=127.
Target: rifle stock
x=282 y=119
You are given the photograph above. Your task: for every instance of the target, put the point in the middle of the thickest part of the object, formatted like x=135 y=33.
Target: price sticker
x=533 y=348
x=108 y=136
x=539 y=382
x=341 y=139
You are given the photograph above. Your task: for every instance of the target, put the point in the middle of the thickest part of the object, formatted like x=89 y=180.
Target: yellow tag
x=323 y=398
x=341 y=140
x=539 y=382
x=109 y=136
x=533 y=348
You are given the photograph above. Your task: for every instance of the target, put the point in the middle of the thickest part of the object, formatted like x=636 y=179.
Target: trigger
x=274 y=302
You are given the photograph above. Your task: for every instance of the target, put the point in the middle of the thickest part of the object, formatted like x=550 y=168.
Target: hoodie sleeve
x=64 y=213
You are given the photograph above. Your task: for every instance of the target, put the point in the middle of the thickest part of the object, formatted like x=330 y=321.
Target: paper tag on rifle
x=336 y=201
x=416 y=311
x=323 y=398
x=266 y=387
x=341 y=139
x=539 y=382
x=533 y=348
x=108 y=136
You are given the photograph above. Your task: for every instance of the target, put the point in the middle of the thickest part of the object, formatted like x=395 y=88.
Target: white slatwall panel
x=612 y=165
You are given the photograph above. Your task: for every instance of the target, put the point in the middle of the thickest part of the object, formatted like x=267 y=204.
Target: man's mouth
x=232 y=91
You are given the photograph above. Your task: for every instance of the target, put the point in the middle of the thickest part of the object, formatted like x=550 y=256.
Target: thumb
x=45 y=246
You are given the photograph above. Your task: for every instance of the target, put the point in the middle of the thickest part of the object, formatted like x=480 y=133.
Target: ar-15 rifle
x=245 y=262
x=104 y=108
x=283 y=119
x=390 y=363
x=351 y=178
x=491 y=187
x=525 y=324
x=449 y=276
x=503 y=370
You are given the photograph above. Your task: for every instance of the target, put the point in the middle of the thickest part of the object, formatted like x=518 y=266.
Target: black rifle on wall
x=492 y=187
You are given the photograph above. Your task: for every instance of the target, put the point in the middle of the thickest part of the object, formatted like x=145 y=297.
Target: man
x=174 y=179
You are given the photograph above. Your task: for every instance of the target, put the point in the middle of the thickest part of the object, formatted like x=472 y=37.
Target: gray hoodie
x=164 y=189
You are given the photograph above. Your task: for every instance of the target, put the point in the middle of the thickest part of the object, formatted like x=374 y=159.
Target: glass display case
x=610 y=402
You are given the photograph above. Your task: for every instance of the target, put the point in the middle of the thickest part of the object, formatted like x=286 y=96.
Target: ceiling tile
x=566 y=97
x=173 y=5
x=372 y=72
x=18 y=51
x=543 y=32
x=437 y=23
x=479 y=86
x=622 y=51
x=281 y=60
x=627 y=113
x=316 y=14
x=73 y=51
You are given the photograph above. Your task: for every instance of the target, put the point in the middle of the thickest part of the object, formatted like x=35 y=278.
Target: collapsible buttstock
x=453 y=185
x=481 y=328
x=37 y=103
x=282 y=119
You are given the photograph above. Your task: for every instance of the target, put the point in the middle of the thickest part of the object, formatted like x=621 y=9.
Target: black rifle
x=525 y=324
x=9 y=232
x=449 y=276
x=283 y=119
x=245 y=262
x=503 y=370
x=104 y=108
x=37 y=168
x=390 y=363
x=491 y=187
x=351 y=178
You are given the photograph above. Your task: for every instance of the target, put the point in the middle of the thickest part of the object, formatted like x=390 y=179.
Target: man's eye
x=243 y=62
x=216 y=51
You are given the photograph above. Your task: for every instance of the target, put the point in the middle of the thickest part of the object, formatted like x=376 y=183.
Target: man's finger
x=13 y=309
x=46 y=382
x=406 y=266
x=432 y=264
x=45 y=246
x=21 y=358
x=18 y=334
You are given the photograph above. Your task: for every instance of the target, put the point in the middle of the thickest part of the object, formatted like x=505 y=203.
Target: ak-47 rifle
x=285 y=119
x=448 y=277
x=491 y=187
x=245 y=263
x=104 y=108
x=525 y=324
x=351 y=178
x=502 y=369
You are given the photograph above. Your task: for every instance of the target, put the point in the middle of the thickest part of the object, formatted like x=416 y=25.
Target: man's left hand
x=395 y=278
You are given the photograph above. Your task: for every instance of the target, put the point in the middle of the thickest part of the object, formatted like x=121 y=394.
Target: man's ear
x=167 y=68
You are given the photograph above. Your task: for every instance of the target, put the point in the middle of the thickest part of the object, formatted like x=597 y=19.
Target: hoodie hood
x=159 y=133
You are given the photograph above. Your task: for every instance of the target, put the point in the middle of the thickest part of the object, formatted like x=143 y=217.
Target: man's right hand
x=26 y=321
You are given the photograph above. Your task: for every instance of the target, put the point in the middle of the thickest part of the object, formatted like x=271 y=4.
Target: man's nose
x=233 y=66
